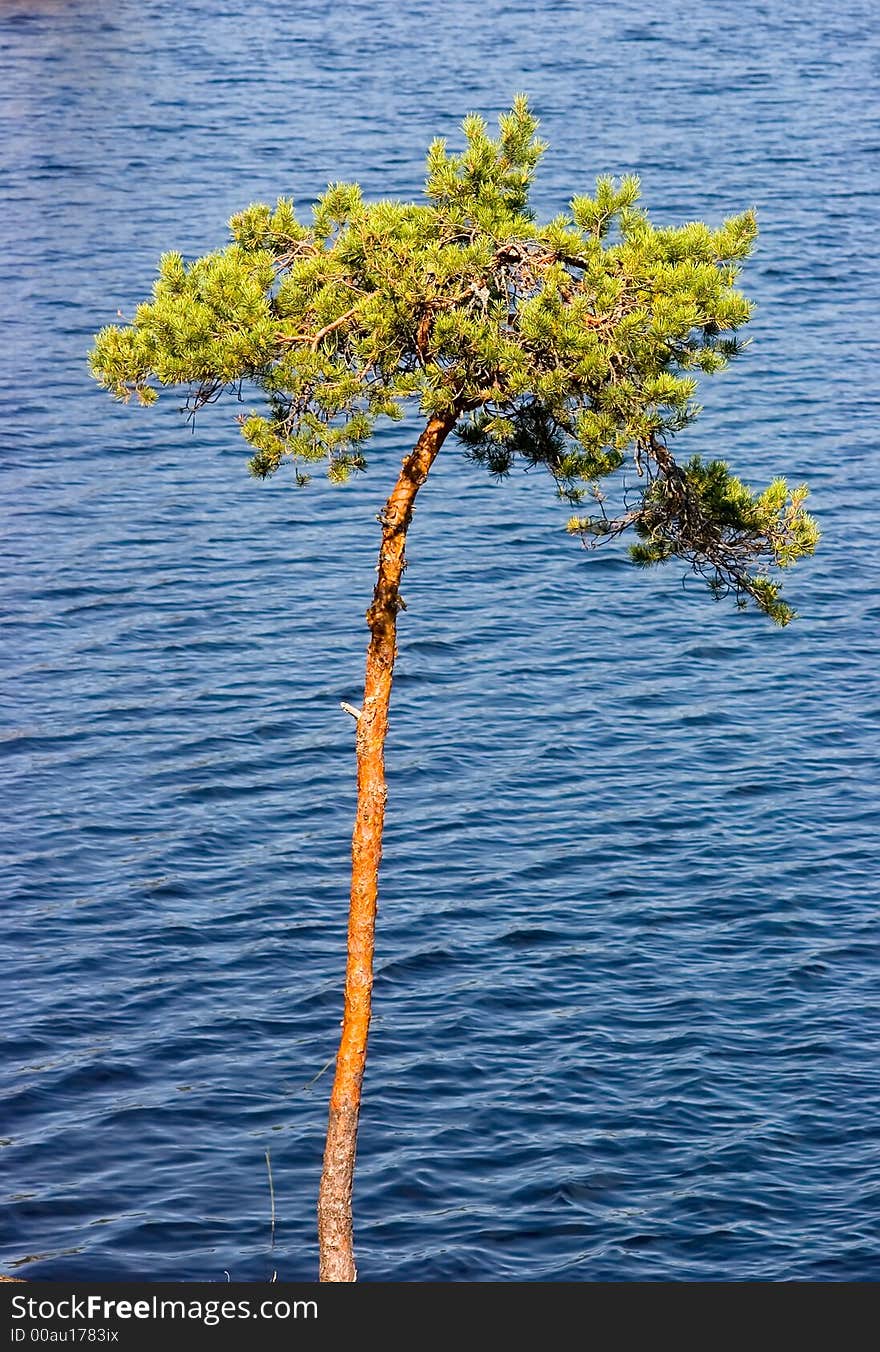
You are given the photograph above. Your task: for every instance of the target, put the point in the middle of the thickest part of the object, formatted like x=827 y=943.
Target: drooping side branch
x=701 y=513
x=334 y=1200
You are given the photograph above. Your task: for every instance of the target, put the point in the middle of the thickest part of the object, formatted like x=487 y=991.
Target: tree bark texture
x=335 y=1240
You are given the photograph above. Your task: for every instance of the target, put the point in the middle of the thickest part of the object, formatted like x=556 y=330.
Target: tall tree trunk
x=334 y=1198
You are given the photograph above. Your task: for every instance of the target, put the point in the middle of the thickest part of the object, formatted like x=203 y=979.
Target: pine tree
x=572 y=345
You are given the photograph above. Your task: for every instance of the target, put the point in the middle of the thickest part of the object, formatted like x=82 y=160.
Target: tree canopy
x=573 y=344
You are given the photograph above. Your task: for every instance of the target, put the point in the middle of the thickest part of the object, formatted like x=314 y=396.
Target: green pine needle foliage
x=573 y=345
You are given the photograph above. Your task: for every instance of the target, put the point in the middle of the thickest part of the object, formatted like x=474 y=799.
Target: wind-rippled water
x=627 y=1000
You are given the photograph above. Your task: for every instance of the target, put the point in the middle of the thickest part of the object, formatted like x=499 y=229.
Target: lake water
x=628 y=995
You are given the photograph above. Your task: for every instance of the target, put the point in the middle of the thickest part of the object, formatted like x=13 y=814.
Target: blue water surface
x=628 y=994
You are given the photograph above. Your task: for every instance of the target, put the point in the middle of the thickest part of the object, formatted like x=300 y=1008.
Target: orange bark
x=335 y=1242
